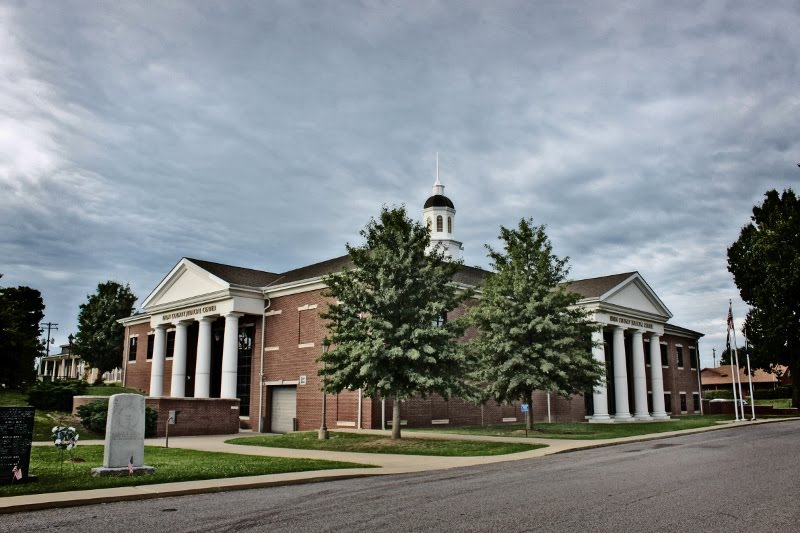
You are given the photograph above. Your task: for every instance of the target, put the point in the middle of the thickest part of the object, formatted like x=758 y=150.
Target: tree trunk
x=529 y=414
x=396 y=419
x=794 y=369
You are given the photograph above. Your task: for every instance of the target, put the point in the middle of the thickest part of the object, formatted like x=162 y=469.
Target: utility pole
x=714 y=354
x=50 y=326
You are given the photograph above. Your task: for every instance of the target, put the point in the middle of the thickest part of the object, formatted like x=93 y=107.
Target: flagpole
x=738 y=373
x=730 y=354
x=750 y=377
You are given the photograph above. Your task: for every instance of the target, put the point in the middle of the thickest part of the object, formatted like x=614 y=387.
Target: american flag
x=730 y=317
x=16 y=472
x=130 y=466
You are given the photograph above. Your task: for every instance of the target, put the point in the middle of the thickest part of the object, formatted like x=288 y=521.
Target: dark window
x=668 y=403
x=683 y=402
x=679 y=351
x=692 y=358
x=170 y=343
x=696 y=401
x=132 y=348
x=151 y=339
x=664 y=356
x=440 y=320
x=243 y=369
x=439 y=224
x=449 y=225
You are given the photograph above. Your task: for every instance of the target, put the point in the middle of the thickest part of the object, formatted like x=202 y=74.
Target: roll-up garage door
x=284 y=409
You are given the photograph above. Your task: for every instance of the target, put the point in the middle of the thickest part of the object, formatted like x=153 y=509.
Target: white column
x=639 y=377
x=230 y=355
x=600 y=395
x=159 y=355
x=620 y=376
x=657 y=379
x=178 y=384
x=202 y=373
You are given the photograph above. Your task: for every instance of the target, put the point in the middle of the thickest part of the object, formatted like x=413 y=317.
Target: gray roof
x=596 y=287
x=247 y=277
x=468 y=275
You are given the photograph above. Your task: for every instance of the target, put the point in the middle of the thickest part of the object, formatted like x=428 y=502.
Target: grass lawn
x=171 y=465
x=353 y=442
x=779 y=403
x=43 y=421
x=108 y=390
x=583 y=430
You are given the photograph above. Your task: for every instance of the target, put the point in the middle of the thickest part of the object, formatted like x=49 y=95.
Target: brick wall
x=198 y=416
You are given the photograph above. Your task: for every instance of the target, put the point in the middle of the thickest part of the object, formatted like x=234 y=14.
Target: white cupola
x=439 y=214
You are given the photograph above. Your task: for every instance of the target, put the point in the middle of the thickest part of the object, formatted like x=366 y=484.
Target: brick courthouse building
x=218 y=331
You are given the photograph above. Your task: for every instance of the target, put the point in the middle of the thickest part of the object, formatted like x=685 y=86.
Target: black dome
x=438 y=200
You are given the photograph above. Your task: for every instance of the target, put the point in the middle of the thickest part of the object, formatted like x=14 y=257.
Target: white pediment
x=185 y=282
x=636 y=295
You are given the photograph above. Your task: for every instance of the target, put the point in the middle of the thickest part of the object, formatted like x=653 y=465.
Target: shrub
x=55 y=395
x=718 y=394
x=784 y=391
x=94 y=415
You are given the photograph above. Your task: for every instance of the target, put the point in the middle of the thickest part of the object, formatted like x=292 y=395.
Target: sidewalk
x=389 y=464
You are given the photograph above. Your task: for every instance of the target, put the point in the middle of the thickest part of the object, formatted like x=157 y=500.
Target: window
x=439 y=224
x=449 y=225
x=668 y=402
x=696 y=401
x=428 y=222
x=132 y=348
x=170 y=343
x=664 y=356
x=679 y=350
x=692 y=358
x=441 y=320
x=151 y=339
x=683 y=402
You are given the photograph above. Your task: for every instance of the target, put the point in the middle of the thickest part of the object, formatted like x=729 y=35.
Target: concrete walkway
x=389 y=464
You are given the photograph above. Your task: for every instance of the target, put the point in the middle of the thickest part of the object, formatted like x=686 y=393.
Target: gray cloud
x=266 y=134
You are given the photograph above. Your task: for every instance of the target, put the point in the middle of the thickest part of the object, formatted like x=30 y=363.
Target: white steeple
x=439 y=215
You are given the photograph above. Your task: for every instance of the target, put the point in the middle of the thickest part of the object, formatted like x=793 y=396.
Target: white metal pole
x=548 y=407
x=733 y=384
x=750 y=379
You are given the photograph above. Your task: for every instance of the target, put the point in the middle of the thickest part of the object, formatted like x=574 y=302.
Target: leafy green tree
x=100 y=340
x=531 y=334
x=765 y=263
x=21 y=311
x=386 y=322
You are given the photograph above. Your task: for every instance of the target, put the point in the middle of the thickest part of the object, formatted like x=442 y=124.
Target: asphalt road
x=744 y=479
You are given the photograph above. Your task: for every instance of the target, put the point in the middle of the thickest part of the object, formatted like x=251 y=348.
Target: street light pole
x=323 y=429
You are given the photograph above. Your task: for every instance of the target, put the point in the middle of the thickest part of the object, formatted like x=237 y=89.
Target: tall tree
x=765 y=263
x=100 y=340
x=532 y=336
x=387 y=321
x=21 y=311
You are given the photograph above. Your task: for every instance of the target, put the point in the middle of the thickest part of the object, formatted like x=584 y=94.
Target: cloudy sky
x=266 y=134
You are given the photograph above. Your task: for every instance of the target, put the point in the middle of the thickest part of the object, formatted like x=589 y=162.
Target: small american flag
x=16 y=472
x=730 y=317
x=130 y=466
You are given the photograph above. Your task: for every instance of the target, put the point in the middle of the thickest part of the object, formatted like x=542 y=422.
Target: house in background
x=66 y=365
x=719 y=378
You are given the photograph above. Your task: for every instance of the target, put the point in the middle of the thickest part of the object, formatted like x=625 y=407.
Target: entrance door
x=284 y=409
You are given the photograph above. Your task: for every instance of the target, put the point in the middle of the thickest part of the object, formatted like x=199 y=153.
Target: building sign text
x=190 y=312
x=620 y=320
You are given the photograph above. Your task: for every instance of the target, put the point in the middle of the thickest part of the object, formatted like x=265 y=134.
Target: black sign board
x=16 y=434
